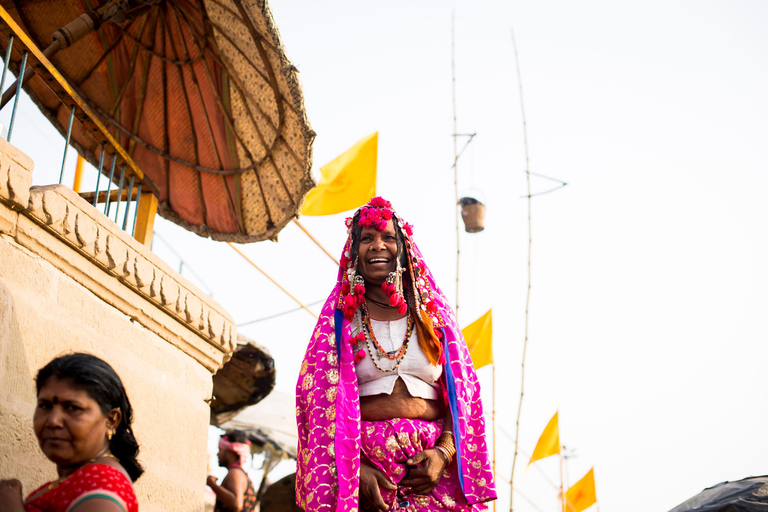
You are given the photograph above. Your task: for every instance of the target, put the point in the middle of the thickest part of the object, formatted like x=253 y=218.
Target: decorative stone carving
x=15 y=176
x=74 y=221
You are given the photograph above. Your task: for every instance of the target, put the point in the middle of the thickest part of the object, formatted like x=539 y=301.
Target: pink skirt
x=388 y=444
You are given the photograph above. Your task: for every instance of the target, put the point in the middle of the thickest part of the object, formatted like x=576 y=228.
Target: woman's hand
x=428 y=467
x=10 y=496
x=370 y=481
x=211 y=481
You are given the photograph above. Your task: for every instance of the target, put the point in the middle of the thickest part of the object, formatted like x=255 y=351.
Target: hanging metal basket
x=473 y=214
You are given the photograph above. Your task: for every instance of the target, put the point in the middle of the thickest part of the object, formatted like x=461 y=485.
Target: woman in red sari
x=83 y=424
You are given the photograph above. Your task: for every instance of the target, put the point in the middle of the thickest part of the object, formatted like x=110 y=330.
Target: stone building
x=71 y=280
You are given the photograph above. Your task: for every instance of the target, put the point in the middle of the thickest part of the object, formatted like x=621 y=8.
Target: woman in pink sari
x=387 y=402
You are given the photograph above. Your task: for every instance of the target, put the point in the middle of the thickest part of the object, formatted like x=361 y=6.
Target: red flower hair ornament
x=376 y=214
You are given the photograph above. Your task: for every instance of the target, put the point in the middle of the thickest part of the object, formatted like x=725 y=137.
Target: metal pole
x=7 y=61
x=109 y=184
x=98 y=177
x=120 y=192
x=66 y=143
x=19 y=83
x=128 y=204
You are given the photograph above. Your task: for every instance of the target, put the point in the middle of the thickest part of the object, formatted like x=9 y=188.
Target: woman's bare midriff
x=399 y=404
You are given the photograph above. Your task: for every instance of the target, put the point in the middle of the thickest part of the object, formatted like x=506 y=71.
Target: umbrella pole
x=297 y=301
x=296 y=221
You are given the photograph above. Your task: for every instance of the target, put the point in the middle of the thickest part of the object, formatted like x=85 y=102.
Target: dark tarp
x=747 y=495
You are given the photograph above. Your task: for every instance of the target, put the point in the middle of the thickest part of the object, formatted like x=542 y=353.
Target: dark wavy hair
x=235 y=436
x=428 y=340
x=99 y=380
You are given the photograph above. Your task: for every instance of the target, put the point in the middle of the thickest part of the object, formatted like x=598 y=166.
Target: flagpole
x=562 y=491
x=528 y=296
x=455 y=152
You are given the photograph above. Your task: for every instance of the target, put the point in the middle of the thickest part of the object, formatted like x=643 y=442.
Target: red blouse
x=91 y=481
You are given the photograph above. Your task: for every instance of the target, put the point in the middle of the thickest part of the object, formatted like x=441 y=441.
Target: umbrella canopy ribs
x=199 y=93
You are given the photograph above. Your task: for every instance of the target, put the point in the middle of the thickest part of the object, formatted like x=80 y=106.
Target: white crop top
x=420 y=376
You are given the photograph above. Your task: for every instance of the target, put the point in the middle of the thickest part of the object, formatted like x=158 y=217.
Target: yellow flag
x=582 y=494
x=479 y=338
x=347 y=182
x=549 y=442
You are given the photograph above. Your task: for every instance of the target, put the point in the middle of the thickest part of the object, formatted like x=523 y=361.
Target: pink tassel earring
x=393 y=287
x=353 y=289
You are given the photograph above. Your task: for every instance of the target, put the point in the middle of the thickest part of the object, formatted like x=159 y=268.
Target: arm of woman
x=99 y=505
x=427 y=466
x=232 y=489
x=10 y=496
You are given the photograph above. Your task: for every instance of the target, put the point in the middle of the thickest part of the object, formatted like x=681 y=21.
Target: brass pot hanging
x=472 y=213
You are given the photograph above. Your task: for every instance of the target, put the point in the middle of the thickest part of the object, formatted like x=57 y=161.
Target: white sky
x=647 y=318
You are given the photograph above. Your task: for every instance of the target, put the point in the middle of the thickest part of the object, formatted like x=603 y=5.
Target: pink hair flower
x=379 y=202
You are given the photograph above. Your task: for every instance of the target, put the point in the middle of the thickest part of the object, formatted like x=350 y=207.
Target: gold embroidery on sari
x=448 y=501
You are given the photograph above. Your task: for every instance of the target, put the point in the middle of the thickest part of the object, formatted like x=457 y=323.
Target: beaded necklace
x=395 y=355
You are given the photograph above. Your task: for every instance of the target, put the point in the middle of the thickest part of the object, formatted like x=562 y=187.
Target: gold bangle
x=447 y=446
x=442 y=450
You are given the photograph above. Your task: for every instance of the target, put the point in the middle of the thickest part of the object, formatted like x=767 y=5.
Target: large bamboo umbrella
x=201 y=95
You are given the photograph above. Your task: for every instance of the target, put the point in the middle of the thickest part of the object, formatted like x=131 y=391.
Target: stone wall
x=71 y=280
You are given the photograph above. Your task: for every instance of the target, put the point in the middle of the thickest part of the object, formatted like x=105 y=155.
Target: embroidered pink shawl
x=328 y=412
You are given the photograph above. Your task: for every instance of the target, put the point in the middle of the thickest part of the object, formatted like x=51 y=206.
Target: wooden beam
x=88 y=196
x=145 y=219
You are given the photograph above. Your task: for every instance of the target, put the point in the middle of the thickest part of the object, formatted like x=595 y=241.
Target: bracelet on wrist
x=447 y=455
x=446 y=444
